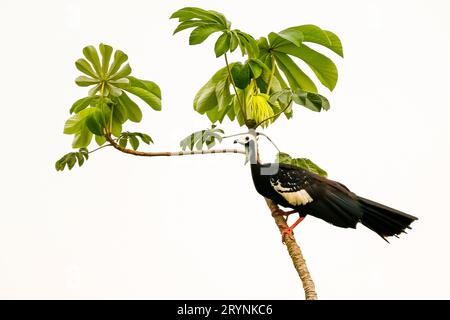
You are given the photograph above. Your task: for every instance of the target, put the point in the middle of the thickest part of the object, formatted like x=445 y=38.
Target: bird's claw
x=288 y=232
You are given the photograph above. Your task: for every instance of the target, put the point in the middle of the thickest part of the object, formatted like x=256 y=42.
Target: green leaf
x=197 y=139
x=223 y=94
x=95 y=122
x=84 y=81
x=296 y=77
x=120 y=112
x=206 y=99
x=134 y=142
x=234 y=41
x=116 y=128
x=123 y=142
x=248 y=44
x=322 y=66
x=80 y=158
x=92 y=56
x=75 y=123
x=151 y=99
x=106 y=52
x=241 y=75
x=146 y=138
x=312 y=101
x=81 y=104
x=119 y=58
x=255 y=67
x=125 y=71
x=150 y=86
x=113 y=90
x=191 y=24
x=336 y=44
x=303 y=163
x=189 y=13
x=314 y=34
x=85 y=67
x=82 y=139
x=292 y=35
x=222 y=44
x=200 y=34
x=100 y=140
x=70 y=159
x=120 y=83
x=133 y=111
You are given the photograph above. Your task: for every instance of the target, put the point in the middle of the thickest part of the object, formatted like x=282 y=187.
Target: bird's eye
x=247 y=138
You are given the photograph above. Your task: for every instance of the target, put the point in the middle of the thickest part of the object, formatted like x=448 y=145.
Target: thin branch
x=294 y=252
x=168 y=153
x=275 y=115
x=104 y=146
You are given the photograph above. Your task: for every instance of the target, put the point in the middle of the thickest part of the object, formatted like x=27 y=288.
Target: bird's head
x=246 y=139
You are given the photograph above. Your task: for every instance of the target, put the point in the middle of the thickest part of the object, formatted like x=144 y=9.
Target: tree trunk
x=294 y=252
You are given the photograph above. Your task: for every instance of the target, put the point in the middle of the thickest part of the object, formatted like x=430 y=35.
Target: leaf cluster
x=271 y=68
x=71 y=159
x=133 y=138
x=107 y=106
x=303 y=163
x=207 y=137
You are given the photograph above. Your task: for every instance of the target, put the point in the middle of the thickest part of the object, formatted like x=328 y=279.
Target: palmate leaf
x=71 y=159
x=310 y=100
x=291 y=42
x=207 y=22
x=303 y=163
x=204 y=22
x=148 y=91
x=132 y=138
x=296 y=78
x=323 y=67
x=206 y=98
x=199 y=138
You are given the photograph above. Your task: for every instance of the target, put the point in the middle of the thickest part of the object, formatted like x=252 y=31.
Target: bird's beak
x=235 y=141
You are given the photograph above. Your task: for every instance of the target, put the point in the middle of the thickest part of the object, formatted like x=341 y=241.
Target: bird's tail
x=383 y=220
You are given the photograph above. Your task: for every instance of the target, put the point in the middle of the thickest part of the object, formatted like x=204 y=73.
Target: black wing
x=315 y=195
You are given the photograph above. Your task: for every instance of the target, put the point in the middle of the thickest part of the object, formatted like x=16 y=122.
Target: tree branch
x=167 y=153
x=294 y=252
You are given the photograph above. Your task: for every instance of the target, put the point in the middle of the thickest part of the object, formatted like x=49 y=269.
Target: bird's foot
x=289 y=232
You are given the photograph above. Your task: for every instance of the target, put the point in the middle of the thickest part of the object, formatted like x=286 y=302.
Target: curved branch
x=294 y=252
x=167 y=153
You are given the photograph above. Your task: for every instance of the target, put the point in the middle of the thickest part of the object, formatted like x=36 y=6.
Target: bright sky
x=194 y=227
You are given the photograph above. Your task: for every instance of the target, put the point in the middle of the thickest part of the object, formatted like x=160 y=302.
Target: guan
x=307 y=193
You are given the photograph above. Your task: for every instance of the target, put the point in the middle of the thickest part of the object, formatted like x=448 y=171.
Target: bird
x=307 y=193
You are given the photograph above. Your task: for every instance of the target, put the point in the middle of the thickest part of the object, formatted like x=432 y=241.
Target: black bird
x=308 y=193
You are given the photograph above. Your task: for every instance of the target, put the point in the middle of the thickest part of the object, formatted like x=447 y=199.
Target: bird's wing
x=292 y=184
x=321 y=197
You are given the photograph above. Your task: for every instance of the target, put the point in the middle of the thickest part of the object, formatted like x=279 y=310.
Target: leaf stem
x=275 y=115
x=101 y=147
x=234 y=85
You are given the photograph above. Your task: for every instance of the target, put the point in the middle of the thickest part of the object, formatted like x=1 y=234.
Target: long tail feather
x=383 y=220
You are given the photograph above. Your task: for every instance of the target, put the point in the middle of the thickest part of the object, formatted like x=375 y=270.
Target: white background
x=194 y=227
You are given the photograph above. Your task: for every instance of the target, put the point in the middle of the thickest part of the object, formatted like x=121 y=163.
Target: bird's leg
x=287 y=213
x=290 y=231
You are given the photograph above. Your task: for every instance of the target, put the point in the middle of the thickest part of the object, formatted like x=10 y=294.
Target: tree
x=252 y=93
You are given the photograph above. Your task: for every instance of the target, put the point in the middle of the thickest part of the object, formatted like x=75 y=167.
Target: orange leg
x=290 y=231
x=287 y=213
